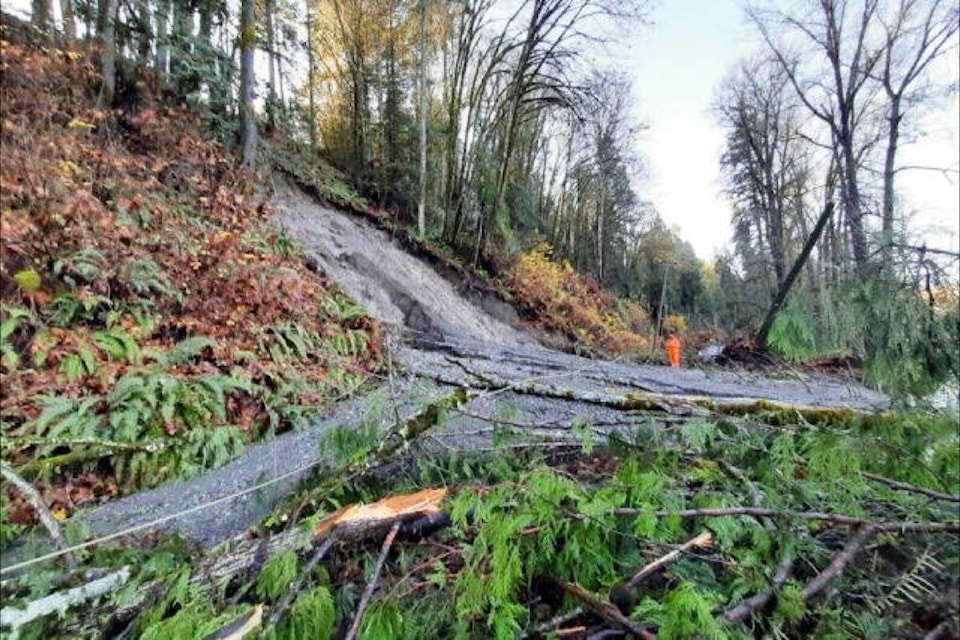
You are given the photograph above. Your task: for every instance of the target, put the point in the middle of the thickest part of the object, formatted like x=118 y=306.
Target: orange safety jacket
x=673 y=351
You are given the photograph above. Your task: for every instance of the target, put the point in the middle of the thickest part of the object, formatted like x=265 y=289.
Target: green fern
x=312 y=615
x=119 y=345
x=67 y=309
x=277 y=575
x=184 y=351
x=9 y=357
x=684 y=613
x=83 y=266
x=145 y=278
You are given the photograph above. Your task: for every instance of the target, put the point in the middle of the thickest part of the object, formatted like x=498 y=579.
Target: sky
x=677 y=63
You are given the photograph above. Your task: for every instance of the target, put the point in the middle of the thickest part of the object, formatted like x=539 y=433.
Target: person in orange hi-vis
x=673 y=349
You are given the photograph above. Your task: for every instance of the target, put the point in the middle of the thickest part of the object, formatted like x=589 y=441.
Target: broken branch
x=702 y=540
x=760 y=600
x=281 y=606
x=14 y=618
x=836 y=566
x=368 y=592
x=607 y=611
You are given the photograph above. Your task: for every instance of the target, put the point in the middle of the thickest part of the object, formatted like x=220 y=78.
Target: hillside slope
x=153 y=319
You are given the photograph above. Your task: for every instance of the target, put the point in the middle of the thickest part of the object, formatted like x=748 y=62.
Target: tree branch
x=836 y=518
x=46 y=518
x=836 y=566
x=372 y=585
x=607 y=611
x=903 y=486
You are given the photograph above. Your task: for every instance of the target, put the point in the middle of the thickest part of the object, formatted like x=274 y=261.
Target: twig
x=281 y=606
x=608 y=612
x=702 y=540
x=903 y=486
x=42 y=511
x=836 y=518
x=368 y=592
x=760 y=600
x=836 y=566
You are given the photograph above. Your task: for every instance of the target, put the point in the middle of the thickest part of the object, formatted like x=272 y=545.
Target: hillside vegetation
x=153 y=320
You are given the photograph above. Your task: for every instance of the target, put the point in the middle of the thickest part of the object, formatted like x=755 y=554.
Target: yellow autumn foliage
x=559 y=299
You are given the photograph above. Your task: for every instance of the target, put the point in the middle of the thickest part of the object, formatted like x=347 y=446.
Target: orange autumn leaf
x=389 y=508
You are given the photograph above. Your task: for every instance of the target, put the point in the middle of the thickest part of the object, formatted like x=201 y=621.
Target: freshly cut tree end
x=382 y=512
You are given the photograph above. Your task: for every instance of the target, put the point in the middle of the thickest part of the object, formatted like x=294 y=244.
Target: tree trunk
x=108 y=43
x=421 y=206
x=181 y=51
x=889 y=170
x=69 y=20
x=792 y=276
x=248 y=122
x=311 y=89
x=269 y=10
x=144 y=31
x=163 y=37
x=41 y=14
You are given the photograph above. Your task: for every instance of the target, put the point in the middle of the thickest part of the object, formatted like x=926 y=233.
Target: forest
x=346 y=318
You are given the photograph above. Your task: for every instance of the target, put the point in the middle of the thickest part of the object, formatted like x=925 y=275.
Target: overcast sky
x=677 y=63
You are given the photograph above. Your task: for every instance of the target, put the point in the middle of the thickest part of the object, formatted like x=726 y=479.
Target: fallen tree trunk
x=784 y=291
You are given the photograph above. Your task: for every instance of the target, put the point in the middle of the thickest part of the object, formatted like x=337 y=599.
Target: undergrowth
x=152 y=319
x=524 y=524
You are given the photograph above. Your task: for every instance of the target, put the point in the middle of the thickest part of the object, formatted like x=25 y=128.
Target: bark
x=248 y=122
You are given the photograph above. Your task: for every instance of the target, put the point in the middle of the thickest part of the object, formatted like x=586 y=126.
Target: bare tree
x=764 y=156
x=69 y=20
x=916 y=35
x=248 y=121
x=163 y=35
x=831 y=77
